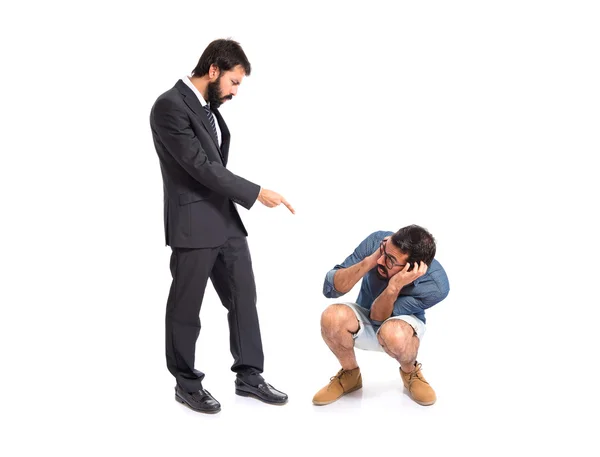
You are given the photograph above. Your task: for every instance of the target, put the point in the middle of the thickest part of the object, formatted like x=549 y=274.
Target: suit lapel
x=193 y=103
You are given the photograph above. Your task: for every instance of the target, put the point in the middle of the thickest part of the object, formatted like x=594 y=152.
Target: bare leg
x=338 y=323
x=399 y=341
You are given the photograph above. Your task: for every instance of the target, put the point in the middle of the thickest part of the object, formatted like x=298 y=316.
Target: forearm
x=346 y=278
x=383 y=306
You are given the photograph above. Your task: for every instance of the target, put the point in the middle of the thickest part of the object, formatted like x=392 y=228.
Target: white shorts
x=366 y=337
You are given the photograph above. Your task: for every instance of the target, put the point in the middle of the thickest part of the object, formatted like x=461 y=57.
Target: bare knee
x=338 y=317
x=398 y=336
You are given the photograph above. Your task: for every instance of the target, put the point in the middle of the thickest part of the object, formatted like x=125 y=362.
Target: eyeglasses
x=390 y=261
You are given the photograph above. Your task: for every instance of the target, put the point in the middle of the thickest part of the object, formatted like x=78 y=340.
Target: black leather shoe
x=263 y=392
x=201 y=400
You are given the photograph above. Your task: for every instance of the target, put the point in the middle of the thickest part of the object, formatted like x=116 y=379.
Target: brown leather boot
x=339 y=385
x=419 y=389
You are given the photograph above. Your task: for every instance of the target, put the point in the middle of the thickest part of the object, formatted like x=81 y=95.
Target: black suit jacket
x=198 y=188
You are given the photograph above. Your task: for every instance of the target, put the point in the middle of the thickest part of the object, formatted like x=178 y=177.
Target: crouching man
x=400 y=280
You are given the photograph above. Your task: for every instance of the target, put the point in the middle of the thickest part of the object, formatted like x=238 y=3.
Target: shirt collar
x=186 y=80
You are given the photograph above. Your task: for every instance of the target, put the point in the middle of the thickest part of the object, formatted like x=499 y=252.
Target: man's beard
x=379 y=275
x=215 y=97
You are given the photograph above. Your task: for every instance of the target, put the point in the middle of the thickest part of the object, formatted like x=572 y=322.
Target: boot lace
x=416 y=374
x=338 y=376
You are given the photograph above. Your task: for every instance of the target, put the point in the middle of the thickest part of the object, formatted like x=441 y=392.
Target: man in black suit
x=203 y=227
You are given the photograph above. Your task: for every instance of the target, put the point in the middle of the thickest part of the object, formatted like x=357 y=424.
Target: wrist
x=393 y=289
x=369 y=263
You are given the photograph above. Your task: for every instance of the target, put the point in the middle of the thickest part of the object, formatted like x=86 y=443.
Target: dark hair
x=225 y=54
x=417 y=242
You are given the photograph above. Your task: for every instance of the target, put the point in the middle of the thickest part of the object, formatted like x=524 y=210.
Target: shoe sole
x=243 y=393
x=323 y=403
x=205 y=411
x=423 y=403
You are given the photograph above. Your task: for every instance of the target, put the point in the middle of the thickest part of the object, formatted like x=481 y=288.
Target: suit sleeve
x=172 y=127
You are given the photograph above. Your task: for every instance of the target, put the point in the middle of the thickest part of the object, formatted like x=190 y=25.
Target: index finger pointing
x=286 y=203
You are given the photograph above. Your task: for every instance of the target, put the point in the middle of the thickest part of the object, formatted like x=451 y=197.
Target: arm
x=384 y=305
x=342 y=278
x=345 y=279
x=431 y=293
x=173 y=129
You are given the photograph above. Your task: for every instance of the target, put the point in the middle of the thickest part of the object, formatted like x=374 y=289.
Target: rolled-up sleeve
x=328 y=288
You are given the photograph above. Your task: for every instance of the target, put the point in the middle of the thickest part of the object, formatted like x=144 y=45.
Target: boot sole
x=205 y=411
x=423 y=403
x=323 y=403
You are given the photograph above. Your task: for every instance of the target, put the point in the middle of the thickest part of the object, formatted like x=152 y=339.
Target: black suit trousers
x=229 y=268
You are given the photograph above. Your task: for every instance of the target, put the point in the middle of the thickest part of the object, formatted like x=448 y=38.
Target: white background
x=475 y=119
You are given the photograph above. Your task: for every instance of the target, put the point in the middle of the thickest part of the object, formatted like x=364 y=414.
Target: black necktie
x=211 y=120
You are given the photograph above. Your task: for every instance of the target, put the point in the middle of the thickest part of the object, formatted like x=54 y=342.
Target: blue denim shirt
x=415 y=298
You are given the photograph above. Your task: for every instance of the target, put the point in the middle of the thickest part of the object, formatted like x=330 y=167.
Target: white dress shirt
x=188 y=82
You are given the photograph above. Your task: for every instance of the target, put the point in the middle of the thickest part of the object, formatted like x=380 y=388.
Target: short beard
x=215 y=96
x=379 y=275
